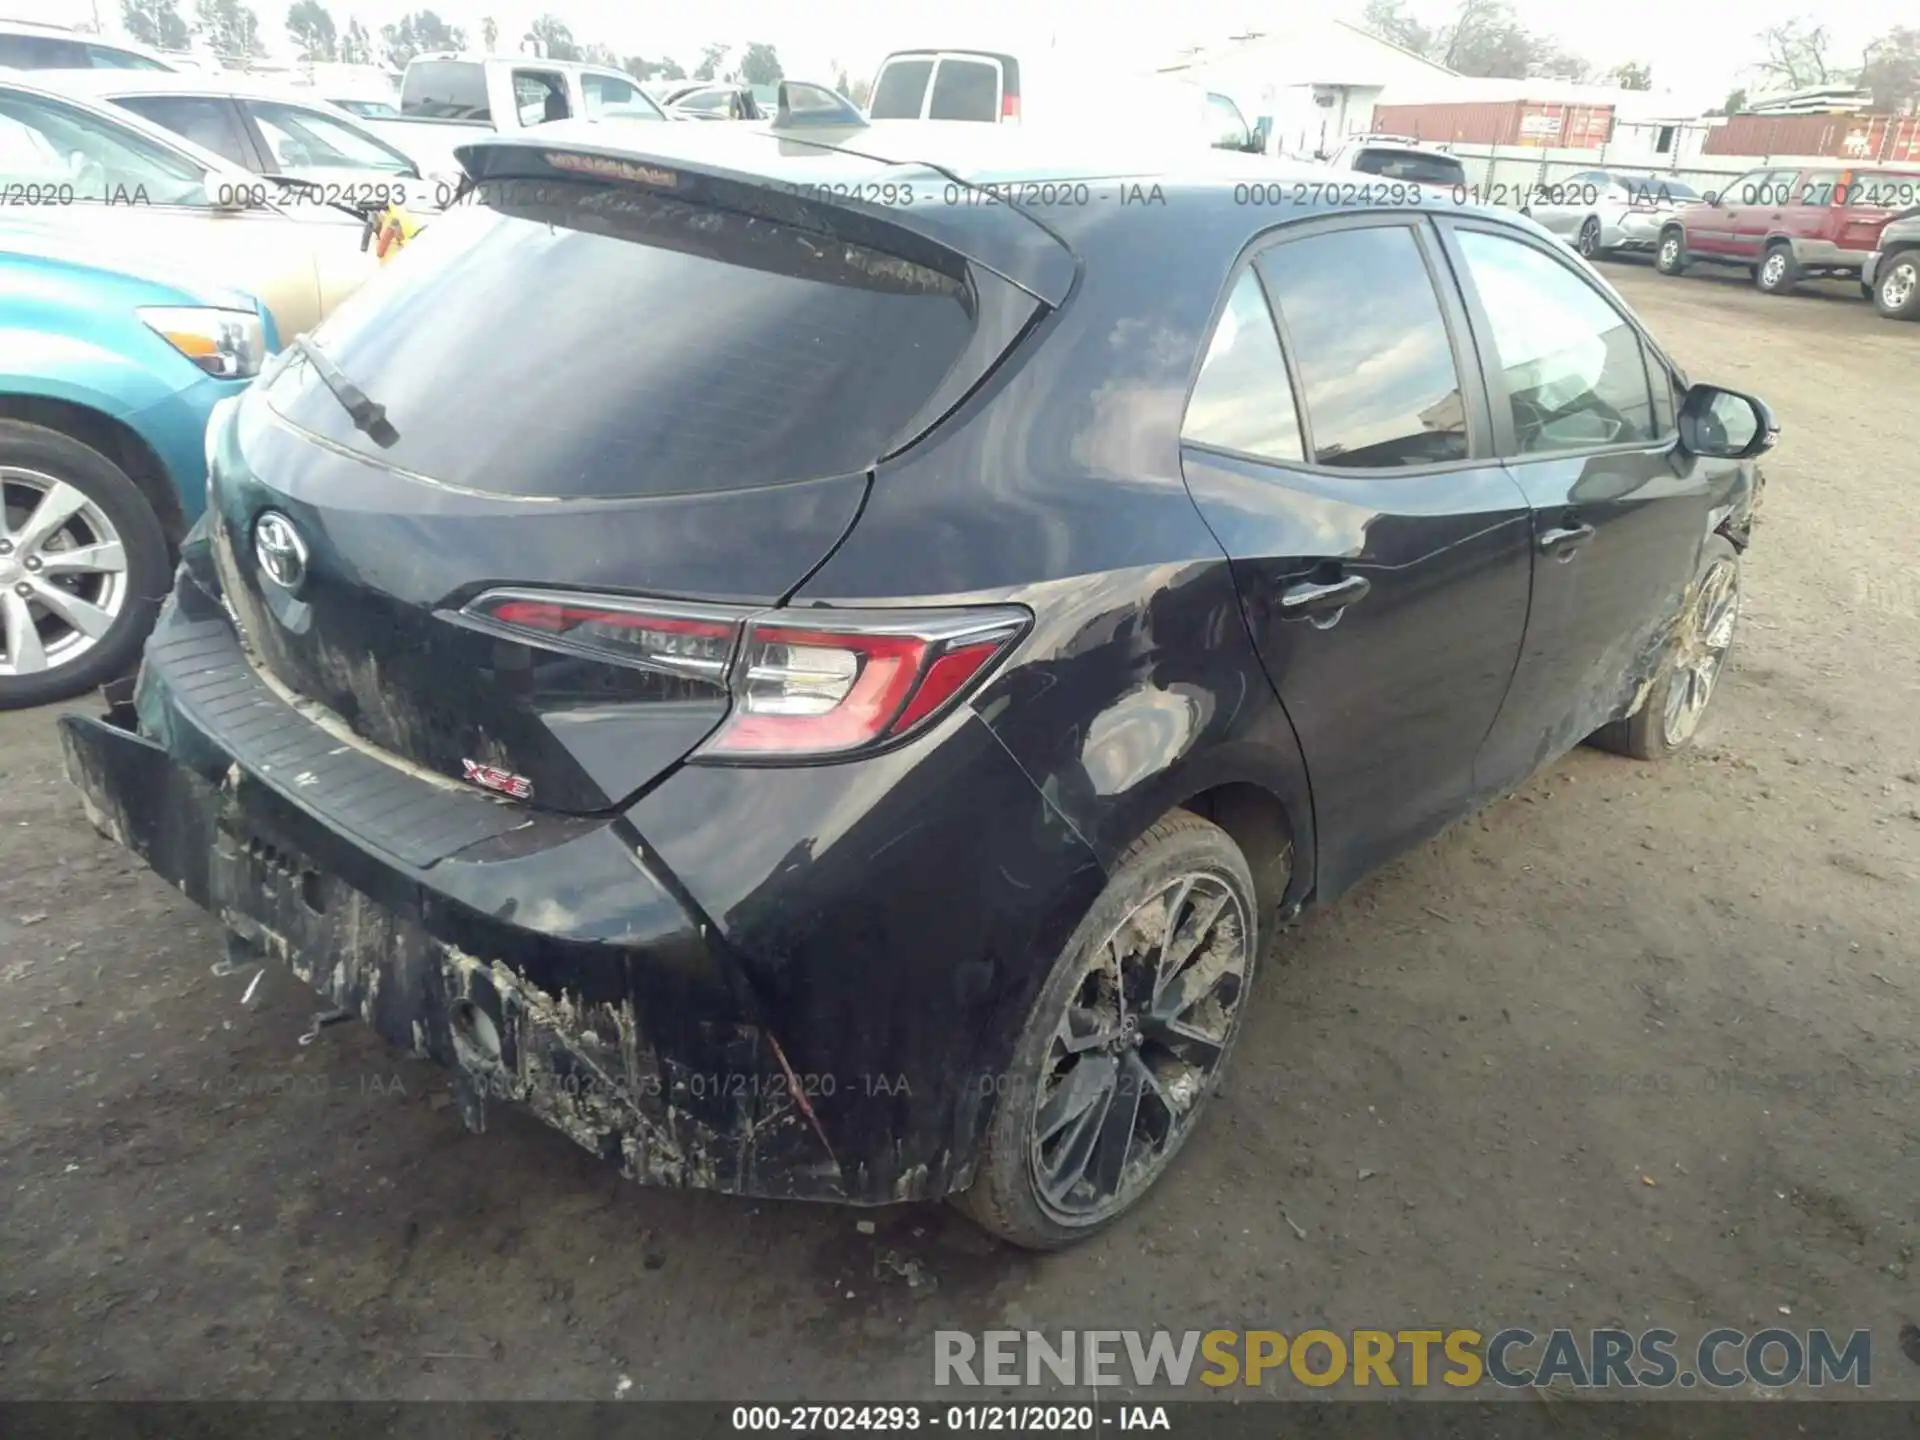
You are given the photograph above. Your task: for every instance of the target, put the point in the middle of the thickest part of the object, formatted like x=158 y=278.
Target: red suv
x=1790 y=224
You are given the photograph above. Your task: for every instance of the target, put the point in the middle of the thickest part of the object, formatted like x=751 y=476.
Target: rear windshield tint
x=901 y=89
x=573 y=339
x=1414 y=165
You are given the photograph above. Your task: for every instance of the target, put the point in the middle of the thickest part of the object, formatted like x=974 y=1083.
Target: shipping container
x=1845 y=137
x=1549 y=125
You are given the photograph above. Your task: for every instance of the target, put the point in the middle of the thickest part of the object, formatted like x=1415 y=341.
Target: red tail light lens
x=842 y=681
x=849 y=680
x=687 y=640
x=1009 y=106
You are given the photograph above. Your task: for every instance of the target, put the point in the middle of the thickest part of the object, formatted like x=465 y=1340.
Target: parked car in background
x=273 y=130
x=109 y=370
x=366 y=109
x=891 y=797
x=1045 y=91
x=101 y=175
x=25 y=45
x=447 y=100
x=1786 y=224
x=1601 y=211
x=1892 y=273
x=1399 y=157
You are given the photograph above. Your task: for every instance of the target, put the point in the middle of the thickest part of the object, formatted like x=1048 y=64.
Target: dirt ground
x=1636 y=1046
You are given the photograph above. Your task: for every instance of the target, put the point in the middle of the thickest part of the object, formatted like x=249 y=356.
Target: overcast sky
x=1690 y=47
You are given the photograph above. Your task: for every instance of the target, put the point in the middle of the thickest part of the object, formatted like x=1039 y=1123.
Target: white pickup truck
x=446 y=100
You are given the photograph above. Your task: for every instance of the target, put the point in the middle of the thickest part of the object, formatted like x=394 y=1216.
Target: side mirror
x=1262 y=133
x=228 y=196
x=1725 y=424
x=1712 y=197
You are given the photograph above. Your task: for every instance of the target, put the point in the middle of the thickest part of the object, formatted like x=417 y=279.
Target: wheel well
x=1258 y=823
x=114 y=440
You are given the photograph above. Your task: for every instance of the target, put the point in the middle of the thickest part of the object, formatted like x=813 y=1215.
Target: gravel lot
x=1635 y=1046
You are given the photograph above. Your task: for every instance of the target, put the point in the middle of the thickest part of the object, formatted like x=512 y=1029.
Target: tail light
x=805 y=683
x=1010 y=106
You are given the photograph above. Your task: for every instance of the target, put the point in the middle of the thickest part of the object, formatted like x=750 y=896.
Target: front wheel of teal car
x=83 y=567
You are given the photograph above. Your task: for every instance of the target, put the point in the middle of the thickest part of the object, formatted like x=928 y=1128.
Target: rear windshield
x=1420 y=166
x=575 y=339
x=901 y=88
x=445 y=89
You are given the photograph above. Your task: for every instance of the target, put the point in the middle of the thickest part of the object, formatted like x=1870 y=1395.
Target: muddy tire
x=1669 y=716
x=1125 y=1041
x=1778 y=272
x=83 y=567
x=1670 y=258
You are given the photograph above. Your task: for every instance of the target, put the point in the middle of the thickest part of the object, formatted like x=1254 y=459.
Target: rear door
x=967 y=87
x=900 y=89
x=1762 y=214
x=1337 y=442
x=1582 y=411
x=1710 y=226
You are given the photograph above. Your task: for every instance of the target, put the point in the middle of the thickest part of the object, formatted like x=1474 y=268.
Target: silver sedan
x=1600 y=211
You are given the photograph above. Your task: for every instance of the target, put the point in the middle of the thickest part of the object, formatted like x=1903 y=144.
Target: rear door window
x=901 y=90
x=607 y=94
x=540 y=96
x=573 y=339
x=965 y=90
x=1371 y=348
x=1242 y=400
x=210 y=121
x=1575 y=371
x=310 y=139
x=1878 y=189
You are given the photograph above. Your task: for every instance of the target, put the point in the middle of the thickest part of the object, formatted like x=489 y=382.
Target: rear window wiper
x=368 y=415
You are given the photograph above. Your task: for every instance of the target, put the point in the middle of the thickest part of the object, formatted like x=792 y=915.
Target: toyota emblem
x=280 y=550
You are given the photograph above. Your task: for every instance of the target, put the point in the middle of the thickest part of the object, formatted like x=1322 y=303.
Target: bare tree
x=1797 y=55
x=1891 y=70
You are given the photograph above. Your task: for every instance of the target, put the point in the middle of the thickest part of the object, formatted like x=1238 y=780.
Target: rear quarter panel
x=1058 y=485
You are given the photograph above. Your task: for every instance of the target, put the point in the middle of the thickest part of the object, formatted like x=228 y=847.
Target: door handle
x=1311 y=598
x=1562 y=542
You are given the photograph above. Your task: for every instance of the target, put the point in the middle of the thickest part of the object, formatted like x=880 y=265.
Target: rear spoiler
x=901 y=207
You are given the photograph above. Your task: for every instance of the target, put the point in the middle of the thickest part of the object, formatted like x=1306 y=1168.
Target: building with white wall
x=1315 y=79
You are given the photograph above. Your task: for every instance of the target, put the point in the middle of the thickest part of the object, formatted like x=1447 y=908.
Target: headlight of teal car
x=228 y=343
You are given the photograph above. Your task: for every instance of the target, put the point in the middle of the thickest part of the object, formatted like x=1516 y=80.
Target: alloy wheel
x=63 y=573
x=1705 y=639
x=1590 y=238
x=1670 y=251
x=1139 y=1043
x=1775 y=269
x=1897 y=289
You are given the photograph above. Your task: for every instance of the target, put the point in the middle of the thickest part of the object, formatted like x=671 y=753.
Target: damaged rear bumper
x=702 y=991
x=535 y=956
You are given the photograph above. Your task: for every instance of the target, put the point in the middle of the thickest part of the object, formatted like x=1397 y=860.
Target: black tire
x=1588 y=243
x=1670 y=256
x=49 y=453
x=1778 y=272
x=1895 y=291
x=1646 y=734
x=1008 y=1197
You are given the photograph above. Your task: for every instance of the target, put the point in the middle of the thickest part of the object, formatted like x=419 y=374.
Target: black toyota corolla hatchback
x=816 y=665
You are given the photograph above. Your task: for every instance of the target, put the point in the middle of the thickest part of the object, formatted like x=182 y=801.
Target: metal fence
x=1507 y=173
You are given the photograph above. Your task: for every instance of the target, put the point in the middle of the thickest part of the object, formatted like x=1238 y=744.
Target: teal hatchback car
x=109 y=369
